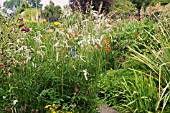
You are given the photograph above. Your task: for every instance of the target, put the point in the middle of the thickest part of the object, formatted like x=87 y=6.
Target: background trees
x=18 y=6
x=51 y=12
x=140 y=3
x=83 y=4
x=35 y=3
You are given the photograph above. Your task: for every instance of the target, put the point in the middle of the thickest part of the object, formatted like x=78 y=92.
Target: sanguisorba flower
x=20 y=25
x=21 y=19
x=26 y=29
x=9 y=111
x=1 y=65
x=57 y=23
x=122 y=60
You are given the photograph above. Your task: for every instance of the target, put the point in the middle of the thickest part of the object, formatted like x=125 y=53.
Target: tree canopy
x=13 y=4
x=51 y=12
x=97 y=4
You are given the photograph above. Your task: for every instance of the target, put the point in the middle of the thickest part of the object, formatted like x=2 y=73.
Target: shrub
x=83 y=5
x=51 y=12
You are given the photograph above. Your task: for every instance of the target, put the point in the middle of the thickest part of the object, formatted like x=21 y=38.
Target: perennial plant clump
x=74 y=64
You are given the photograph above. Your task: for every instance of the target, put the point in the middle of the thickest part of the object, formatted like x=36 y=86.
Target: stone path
x=106 y=109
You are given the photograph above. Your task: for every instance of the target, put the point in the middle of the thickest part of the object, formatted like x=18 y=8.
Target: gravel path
x=106 y=109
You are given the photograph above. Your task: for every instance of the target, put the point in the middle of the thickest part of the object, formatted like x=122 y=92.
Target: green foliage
x=139 y=94
x=128 y=93
x=125 y=34
x=12 y=4
x=51 y=12
x=141 y=3
x=35 y=3
x=48 y=67
x=98 y=5
x=22 y=8
x=30 y=13
x=162 y=2
x=122 y=7
x=64 y=63
x=107 y=84
x=157 y=60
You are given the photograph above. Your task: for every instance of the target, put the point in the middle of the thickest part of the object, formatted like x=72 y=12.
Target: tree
x=35 y=3
x=22 y=8
x=17 y=6
x=122 y=6
x=51 y=12
x=140 y=3
x=83 y=5
x=11 y=4
x=31 y=13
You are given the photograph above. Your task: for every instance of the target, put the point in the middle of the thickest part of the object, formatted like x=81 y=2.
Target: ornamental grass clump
x=157 y=60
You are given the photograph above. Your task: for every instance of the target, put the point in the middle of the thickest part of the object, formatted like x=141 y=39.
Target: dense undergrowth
x=73 y=64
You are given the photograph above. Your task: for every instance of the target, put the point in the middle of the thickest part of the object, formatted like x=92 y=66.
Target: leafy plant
x=157 y=60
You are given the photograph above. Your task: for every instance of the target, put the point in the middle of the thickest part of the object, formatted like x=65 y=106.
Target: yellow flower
x=52 y=111
x=44 y=36
x=9 y=29
x=44 y=21
x=69 y=112
x=57 y=23
x=61 y=112
x=54 y=106
x=47 y=106
x=60 y=29
x=33 y=21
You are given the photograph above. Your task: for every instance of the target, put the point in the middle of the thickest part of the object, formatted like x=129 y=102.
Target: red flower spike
x=25 y=29
x=9 y=111
x=76 y=89
x=21 y=19
x=123 y=60
x=20 y=25
x=1 y=65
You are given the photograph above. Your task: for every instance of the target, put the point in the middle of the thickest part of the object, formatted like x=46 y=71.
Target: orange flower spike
x=76 y=35
x=108 y=48
x=137 y=35
x=44 y=36
x=108 y=39
x=70 y=35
